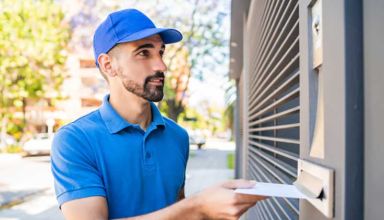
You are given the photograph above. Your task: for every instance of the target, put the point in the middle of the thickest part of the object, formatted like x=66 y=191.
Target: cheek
x=128 y=74
x=136 y=71
x=133 y=86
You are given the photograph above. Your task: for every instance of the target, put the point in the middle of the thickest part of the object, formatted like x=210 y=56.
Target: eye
x=161 y=52
x=144 y=53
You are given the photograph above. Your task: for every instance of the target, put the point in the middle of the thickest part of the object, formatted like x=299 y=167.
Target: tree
x=33 y=39
x=205 y=46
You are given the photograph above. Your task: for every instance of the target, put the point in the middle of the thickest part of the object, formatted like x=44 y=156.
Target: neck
x=132 y=108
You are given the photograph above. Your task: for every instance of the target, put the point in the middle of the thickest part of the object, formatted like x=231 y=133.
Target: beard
x=152 y=93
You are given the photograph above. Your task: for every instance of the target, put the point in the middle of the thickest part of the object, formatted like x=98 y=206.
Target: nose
x=159 y=65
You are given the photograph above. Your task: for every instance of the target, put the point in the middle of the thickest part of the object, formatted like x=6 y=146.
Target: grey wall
x=374 y=108
x=339 y=81
x=334 y=76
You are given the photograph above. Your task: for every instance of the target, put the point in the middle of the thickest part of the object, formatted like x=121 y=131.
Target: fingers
x=222 y=200
x=238 y=211
x=249 y=199
x=246 y=203
x=243 y=209
x=243 y=198
x=239 y=183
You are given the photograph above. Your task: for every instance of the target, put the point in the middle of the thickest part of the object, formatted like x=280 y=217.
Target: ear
x=105 y=65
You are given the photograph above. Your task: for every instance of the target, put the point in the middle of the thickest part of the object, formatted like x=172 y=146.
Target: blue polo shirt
x=137 y=171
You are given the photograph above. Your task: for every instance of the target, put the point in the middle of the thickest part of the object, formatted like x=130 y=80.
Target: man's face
x=140 y=67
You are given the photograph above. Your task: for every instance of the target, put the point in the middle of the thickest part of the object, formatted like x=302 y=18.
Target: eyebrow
x=147 y=46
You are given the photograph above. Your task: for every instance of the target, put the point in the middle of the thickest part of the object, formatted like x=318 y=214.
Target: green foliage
x=229 y=115
x=15 y=127
x=199 y=123
x=204 y=47
x=208 y=118
x=33 y=40
x=163 y=107
x=231 y=161
x=13 y=149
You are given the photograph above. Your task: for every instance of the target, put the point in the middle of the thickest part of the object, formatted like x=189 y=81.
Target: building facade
x=309 y=87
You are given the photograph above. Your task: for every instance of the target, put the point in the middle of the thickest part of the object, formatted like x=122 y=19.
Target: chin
x=157 y=99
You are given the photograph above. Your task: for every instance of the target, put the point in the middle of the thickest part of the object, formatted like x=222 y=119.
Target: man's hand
x=221 y=202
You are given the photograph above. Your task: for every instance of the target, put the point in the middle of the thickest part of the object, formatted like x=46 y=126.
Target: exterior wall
x=374 y=108
x=352 y=110
x=333 y=73
x=272 y=80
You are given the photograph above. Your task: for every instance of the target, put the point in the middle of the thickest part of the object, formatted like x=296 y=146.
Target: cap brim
x=168 y=35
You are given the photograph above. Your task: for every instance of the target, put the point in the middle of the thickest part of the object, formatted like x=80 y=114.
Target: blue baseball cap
x=125 y=26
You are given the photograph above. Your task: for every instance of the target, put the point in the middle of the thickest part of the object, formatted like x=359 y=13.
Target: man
x=125 y=160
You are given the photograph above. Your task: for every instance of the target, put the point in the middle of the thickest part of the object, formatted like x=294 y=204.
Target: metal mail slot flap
x=317 y=183
x=310 y=185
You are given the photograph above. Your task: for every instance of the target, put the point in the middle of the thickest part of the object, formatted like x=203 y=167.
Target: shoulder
x=92 y=119
x=174 y=127
x=179 y=134
x=88 y=122
x=73 y=136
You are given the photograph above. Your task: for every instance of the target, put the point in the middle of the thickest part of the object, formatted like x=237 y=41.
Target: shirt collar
x=116 y=123
x=157 y=118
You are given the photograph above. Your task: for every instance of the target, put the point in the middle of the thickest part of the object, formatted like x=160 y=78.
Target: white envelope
x=274 y=190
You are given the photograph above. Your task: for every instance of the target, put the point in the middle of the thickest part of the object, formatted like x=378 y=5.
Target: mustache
x=154 y=76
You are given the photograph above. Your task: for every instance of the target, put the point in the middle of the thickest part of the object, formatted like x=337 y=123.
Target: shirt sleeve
x=74 y=167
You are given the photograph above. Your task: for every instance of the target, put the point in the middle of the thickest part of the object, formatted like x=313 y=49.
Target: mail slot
x=317 y=183
x=314 y=184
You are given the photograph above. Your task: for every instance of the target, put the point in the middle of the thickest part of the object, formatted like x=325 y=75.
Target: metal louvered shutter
x=273 y=101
